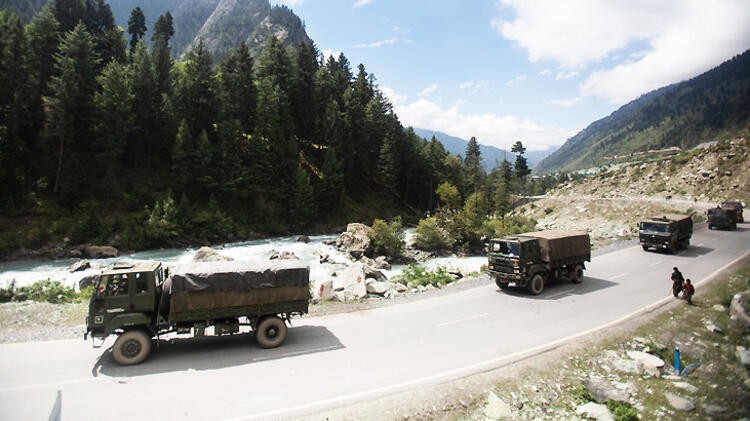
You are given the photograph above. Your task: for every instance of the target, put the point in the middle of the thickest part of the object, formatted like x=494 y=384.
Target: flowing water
x=29 y=271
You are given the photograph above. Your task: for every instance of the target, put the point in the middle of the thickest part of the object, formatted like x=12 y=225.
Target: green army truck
x=721 y=218
x=532 y=259
x=141 y=301
x=736 y=207
x=669 y=232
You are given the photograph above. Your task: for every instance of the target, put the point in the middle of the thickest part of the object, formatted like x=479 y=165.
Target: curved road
x=341 y=359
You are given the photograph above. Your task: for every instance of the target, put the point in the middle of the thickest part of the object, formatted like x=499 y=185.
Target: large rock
x=355 y=238
x=351 y=282
x=595 y=411
x=679 y=403
x=603 y=391
x=743 y=355
x=496 y=408
x=207 y=254
x=650 y=362
x=380 y=287
x=79 y=265
x=283 y=255
x=323 y=290
x=100 y=252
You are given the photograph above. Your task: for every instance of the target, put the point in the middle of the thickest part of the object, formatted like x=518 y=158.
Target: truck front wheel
x=536 y=284
x=271 y=332
x=131 y=347
x=500 y=284
x=577 y=275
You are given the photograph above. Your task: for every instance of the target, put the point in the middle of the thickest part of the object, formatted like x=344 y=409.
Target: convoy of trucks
x=532 y=259
x=668 y=232
x=141 y=301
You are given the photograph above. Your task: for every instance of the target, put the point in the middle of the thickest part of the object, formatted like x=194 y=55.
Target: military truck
x=736 y=207
x=532 y=259
x=668 y=232
x=721 y=218
x=140 y=301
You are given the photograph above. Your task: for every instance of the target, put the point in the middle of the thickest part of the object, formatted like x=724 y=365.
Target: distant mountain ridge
x=490 y=154
x=221 y=24
x=707 y=107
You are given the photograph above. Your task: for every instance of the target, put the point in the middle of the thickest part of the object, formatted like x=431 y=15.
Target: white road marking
x=622 y=275
x=465 y=319
x=656 y=263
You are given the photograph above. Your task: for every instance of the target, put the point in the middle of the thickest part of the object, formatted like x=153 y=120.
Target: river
x=29 y=271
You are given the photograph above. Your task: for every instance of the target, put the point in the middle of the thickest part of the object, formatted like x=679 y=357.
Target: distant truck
x=532 y=259
x=668 y=232
x=721 y=218
x=140 y=301
x=736 y=207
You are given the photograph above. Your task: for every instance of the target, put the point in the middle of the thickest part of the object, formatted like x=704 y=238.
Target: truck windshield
x=506 y=247
x=650 y=226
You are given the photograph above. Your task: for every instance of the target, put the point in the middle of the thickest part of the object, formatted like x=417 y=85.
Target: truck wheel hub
x=131 y=348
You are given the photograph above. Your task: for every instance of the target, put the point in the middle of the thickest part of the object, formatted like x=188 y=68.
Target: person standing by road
x=677 y=281
x=688 y=290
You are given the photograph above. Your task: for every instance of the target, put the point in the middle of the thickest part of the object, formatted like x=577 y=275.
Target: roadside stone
x=401 y=287
x=686 y=386
x=646 y=359
x=351 y=281
x=283 y=255
x=496 y=408
x=713 y=328
x=379 y=287
x=303 y=239
x=627 y=365
x=679 y=403
x=719 y=307
x=713 y=410
x=743 y=355
x=602 y=390
x=323 y=291
x=596 y=411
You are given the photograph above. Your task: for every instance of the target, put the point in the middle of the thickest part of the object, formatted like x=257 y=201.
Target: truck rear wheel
x=271 y=332
x=577 y=275
x=131 y=347
x=536 y=284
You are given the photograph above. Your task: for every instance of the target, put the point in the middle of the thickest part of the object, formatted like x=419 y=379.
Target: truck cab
x=124 y=295
x=510 y=258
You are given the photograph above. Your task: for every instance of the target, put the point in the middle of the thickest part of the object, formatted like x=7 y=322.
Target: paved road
x=340 y=359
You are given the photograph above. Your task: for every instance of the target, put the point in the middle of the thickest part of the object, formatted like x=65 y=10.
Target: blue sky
x=535 y=71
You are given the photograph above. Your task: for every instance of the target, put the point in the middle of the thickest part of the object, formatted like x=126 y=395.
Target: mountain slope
x=713 y=105
x=490 y=154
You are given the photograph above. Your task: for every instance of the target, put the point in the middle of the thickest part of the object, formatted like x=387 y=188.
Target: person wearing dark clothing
x=677 y=281
x=687 y=291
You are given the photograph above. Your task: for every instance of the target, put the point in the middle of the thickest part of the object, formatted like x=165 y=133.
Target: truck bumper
x=506 y=278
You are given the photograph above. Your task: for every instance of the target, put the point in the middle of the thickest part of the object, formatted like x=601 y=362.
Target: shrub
x=622 y=411
x=385 y=239
x=548 y=211
x=431 y=237
x=44 y=291
x=417 y=275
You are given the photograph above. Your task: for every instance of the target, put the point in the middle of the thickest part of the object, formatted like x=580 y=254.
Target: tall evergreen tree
x=163 y=28
x=302 y=204
x=146 y=144
x=521 y=168
x=303 y=99
x=238 y=94
x=197 y=92
x=109 y=42
x=473 y=168
x=136 y=27
x=68 y=13
x=387 y=175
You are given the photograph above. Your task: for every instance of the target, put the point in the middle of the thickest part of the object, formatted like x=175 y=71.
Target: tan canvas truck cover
x=685 y=222
x=215 y=285
x=556 y=245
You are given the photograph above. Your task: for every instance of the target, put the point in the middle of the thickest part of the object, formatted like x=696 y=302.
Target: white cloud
x=488 y=128
x=515 y=80
x=653 y=43
x=377 y=44
x=362 y=3
x=563 y=75
x=428 y=90
x=474 y=85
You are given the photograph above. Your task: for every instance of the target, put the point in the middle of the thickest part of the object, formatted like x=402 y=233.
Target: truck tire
x=577 y=275
x=500 y=284
x=645 y=248
x=536 y=284
x=271 y=332
x=131 y=347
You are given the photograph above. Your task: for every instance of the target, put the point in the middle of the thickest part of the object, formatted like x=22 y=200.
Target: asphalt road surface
x=346 y=358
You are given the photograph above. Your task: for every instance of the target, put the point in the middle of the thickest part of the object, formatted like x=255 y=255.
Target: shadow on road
x=558 y=288
x=695 y=251
x=215 y=352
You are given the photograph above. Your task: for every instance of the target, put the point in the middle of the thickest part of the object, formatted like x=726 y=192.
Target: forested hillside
x=221 y=24
x=106 y=139
x=714 y=105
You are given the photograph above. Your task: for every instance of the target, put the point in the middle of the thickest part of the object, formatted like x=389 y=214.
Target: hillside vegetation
x=714 y=105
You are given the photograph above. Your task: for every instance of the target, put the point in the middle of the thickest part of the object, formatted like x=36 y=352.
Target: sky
x=520 y=70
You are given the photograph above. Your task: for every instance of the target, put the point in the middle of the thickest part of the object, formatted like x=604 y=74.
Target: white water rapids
x=29 y=271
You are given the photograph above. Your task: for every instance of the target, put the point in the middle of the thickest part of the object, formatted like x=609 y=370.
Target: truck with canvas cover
x=736 y=207
x=669 y=232
x=721 y=218
x=532 y=259
x=143 y=300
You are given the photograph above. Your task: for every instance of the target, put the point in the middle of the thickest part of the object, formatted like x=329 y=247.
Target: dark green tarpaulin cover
x=217 y=285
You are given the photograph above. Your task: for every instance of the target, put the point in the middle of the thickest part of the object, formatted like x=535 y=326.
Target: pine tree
x=136 y=27
x=114 y=106
x=196 y=92
x=145 y=145
x=303 y=99
x=474 y=179
x=238 y=94
x=521 y=168
x=182 y=151
x=388 y=167
x=302 y=203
